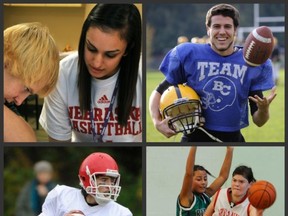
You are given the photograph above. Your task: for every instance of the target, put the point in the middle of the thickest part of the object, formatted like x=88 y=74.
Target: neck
x=90 y=200
x=224 y=52
x=236 y=199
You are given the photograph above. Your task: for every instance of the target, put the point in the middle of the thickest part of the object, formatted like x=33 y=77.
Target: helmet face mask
x=183 y=106
x=103 y=190
x=99 y=177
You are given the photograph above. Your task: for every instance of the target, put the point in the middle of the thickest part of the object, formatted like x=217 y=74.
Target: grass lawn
x=272 y=131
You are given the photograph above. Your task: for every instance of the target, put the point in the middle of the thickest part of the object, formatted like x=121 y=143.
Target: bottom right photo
x=218 y=181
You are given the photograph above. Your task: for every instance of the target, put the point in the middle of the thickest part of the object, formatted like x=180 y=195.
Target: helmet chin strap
x=210 y=135
x=99 y=200
x=85 y=194
x=198 y=126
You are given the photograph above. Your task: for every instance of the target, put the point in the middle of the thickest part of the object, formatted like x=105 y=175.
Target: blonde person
x=31 y=64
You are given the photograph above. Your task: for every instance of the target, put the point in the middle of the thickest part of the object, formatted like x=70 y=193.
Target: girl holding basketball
x=195 y=195
x=234 y=200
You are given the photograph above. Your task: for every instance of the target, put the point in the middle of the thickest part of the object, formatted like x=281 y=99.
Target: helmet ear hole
x=182 y=104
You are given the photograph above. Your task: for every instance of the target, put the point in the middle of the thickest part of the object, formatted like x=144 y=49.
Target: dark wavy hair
x=225 y=10
x=126 y=19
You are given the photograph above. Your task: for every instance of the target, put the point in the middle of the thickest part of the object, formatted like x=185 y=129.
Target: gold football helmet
x=183 y=105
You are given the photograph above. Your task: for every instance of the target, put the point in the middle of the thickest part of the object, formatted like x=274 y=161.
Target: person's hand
x=74 y=213
x=42 y=190
x=259 y=212
x=263 y=103
x=163 y=128
x=231 y=148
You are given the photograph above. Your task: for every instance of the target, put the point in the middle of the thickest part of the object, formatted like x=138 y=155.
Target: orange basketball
x=262 y=194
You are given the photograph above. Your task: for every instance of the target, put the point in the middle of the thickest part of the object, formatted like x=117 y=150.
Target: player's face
x=103 y=52
x=104 y=182
x=239 y=186
x=222 y=34
x=200 y=181
x=15 y=90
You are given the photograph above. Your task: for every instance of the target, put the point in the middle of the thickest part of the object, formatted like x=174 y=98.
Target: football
x=258 y=46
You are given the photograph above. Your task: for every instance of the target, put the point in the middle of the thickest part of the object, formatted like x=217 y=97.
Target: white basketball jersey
x=223 y=205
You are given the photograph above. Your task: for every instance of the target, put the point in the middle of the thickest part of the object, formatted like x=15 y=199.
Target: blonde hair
x=31 y=54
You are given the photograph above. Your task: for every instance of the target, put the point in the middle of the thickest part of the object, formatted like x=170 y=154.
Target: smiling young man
x=31 y=63
x=221 y=78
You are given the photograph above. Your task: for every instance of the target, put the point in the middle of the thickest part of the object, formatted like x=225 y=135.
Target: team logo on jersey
x=83 y=123
x=103 y=99
x=220 y=92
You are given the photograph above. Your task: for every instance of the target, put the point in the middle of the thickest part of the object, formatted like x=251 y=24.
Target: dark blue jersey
x=222 y=82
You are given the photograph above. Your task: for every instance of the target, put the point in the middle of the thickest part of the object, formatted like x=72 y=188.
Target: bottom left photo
x=65 y=181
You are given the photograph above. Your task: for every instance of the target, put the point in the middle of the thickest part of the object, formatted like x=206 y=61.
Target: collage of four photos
x=144 y=109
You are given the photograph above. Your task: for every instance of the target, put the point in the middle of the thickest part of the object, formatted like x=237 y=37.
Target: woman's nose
x=97 y=60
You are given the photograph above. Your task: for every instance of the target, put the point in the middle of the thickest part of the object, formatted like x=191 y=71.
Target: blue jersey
x=222 y=82
x=198 y=207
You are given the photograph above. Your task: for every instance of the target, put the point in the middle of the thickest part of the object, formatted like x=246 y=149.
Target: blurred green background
x=19 y=161
x=272 y=131
x=166 y=22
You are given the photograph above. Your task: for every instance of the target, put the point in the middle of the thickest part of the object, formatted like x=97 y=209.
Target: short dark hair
x=225 y=10
x=246 y=172
x=126 y=19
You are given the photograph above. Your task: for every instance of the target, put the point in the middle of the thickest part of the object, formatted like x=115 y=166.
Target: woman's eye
x=110 y=55
x=91 y=49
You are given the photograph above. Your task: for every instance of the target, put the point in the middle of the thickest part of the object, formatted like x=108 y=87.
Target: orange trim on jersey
x=216 y=197
x=229 y=196
x=248 y=209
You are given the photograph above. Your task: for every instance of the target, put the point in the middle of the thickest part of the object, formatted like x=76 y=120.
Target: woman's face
x=103 y=52
x=239 y=186
x=200 y=181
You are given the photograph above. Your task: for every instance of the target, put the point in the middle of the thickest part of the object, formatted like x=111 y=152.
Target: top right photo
x=215 y=73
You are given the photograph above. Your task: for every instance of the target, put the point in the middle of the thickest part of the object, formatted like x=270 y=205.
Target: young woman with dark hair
x=195 y=193
x=234 y=200
x=99 y=92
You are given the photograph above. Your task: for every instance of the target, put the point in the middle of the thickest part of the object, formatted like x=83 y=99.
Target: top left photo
x=72 y=73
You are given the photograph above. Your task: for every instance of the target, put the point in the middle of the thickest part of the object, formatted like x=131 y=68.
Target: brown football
x=258 y=46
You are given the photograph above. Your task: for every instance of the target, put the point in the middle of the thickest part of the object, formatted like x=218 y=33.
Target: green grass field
x=272 y=131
